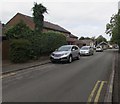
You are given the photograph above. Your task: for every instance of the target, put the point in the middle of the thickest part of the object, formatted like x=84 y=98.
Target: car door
x=76 y=51
x=90 y=50
x=73 y=52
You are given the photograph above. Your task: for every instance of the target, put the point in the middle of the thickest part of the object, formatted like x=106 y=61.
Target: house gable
x=29 y=22
x=19 y=17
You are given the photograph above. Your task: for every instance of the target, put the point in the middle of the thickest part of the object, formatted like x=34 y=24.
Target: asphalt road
x=83 y=80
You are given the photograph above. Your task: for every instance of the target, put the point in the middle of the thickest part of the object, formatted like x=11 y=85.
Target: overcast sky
x=86 y=18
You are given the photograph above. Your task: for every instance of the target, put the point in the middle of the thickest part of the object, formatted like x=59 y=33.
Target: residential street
x=83 y=80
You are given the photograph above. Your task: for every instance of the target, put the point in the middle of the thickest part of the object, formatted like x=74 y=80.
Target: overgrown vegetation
x=26 y=44
x=30 y=45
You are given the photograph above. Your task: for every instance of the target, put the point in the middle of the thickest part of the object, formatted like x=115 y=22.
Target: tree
x=113 y=28
x=38 y=11
x=83 y=38
x=100 y=39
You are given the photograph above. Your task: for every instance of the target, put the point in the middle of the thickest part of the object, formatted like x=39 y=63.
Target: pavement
x=8 y=67
x=116 y=84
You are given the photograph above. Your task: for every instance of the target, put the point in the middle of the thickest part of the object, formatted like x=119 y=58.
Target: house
x=79 y=43
x=47 y=26
x=104 y=45
x=88 y=42
x=71 y=39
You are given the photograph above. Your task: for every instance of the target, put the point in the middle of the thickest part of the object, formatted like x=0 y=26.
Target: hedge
x=51 y=41
x=19 y=50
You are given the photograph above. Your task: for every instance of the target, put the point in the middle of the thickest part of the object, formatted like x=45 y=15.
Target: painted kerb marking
x=99 y=85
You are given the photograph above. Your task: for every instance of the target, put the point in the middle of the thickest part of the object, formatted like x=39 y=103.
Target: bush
x=19 y=50
x=18 y=31
x=51 y=41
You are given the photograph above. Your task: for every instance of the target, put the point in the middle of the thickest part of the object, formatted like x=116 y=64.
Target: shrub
x=19 y=50
x=18 y=31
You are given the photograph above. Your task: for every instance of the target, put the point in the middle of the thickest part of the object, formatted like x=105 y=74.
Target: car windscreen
x=98 y=47
x=64 y=48
x=84 y=48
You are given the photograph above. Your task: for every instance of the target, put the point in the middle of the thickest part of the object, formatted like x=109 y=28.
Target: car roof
x=68 y=45
x=99 y=46
x=86 y=46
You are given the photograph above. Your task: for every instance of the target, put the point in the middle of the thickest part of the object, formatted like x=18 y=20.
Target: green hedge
x=22 y=50
x=19 y=50
x=51 y=41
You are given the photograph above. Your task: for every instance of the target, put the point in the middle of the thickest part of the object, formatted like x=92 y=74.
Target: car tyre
x=70 y=59
x=78 y=57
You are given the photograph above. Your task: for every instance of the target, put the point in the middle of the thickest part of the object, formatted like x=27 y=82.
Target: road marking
x=7 y=75
x=101 y=83
x=99 y=92
x=93 y=91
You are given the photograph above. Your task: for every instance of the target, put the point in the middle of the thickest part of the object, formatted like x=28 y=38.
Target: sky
x=86 y=18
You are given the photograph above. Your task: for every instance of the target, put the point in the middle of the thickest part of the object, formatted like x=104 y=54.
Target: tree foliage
x=20 y=30
x=83 y=38
x=100 y=39
x=38 y=11
x=113 y=28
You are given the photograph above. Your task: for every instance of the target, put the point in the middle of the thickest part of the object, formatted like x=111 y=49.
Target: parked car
x=99 y=49
x=65 y=53
x=86 y=50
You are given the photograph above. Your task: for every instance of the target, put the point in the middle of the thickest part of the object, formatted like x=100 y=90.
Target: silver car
x=86 y=50
x=99 y=49
x=65 y=53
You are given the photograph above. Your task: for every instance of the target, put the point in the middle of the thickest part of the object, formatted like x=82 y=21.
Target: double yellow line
x=101 y=83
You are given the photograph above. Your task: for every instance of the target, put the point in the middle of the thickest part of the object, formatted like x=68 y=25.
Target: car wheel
x=70 y=59
x=78 y=57
x=52 y=61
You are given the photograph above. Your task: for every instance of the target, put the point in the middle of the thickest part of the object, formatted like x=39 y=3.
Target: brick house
x=88 y=42
x=70 y=38
x=47 y=26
